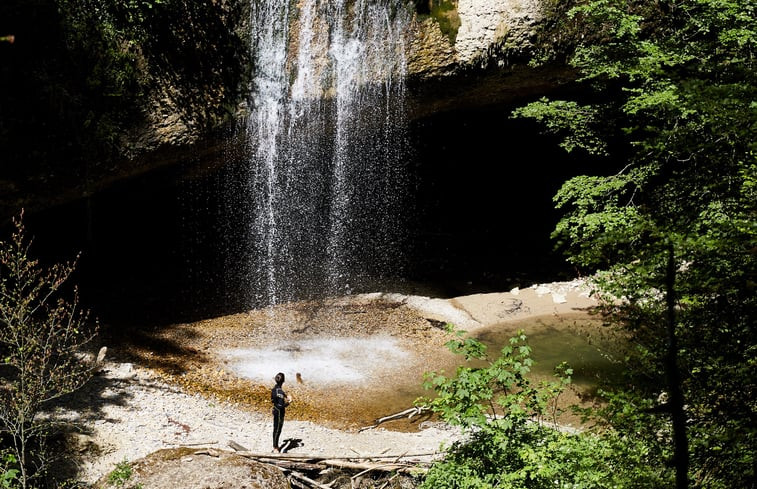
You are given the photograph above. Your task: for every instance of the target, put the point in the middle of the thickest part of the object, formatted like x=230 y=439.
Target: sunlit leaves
x=677 y=85
x=508 y=445
x=477 y=394
x=571 y=121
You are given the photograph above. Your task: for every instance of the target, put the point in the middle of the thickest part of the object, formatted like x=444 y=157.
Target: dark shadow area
x=152 y=248
x=291 y=444
x=155 y=348
x=167 y=246
x=82 y=81
x=87 y=407
x=423 y=7
x=485 y=184
x=162 y=348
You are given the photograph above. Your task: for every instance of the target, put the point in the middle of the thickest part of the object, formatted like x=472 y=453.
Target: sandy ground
x=189 y=385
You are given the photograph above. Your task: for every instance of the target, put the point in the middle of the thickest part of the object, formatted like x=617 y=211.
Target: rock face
x=475 y=55
x=460 y=54
x=456 y=37
x=486 y=30
x=431 y=53
x=485 y=24
x=479 y=44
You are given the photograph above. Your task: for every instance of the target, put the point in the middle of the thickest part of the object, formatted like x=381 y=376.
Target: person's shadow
x=291 y=443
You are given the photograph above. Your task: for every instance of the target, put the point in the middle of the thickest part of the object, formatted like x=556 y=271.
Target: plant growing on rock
x=121 y=474
x=41 y=339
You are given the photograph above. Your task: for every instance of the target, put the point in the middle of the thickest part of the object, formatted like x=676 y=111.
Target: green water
x=585 y=344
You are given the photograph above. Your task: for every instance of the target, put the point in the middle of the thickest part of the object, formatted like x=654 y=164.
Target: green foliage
x=8 y=470
x=476 y=394
x=674 y=88
x=575 y=122
x=445 y=13
x=41 y=336
x=121 y=474
x=509 y=445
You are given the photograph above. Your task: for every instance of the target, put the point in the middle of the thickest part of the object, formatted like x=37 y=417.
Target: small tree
x=41 y=336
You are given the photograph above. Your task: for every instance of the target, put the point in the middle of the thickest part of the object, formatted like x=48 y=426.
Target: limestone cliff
x=476 y=53
x=68 y=133
x=480 y=32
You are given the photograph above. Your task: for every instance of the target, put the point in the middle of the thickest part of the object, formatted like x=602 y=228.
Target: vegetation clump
x=513 y=439
x=444 y=12
x=42 y=334
x=668 y=222
x=121 y=474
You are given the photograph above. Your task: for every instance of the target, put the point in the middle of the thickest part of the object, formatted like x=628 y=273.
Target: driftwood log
x=407 y=413
x=294 y=465
x=308 y=481
x=318 y=462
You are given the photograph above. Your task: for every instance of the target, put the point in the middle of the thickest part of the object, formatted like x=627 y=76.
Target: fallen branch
x=404 y=467
x=330 y=458
x=388 y=481
x=315 y=462
x=210 y=452
x=380 y=468
x=297 y=484
x=236 y=446
x=308 y=480
x=244 y=452
x=407 y=413
x=293 y=464
x=290 y=464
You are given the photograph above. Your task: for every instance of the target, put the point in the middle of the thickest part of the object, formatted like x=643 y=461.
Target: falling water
x=325 y=134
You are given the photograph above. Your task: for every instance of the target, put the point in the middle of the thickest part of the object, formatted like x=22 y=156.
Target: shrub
x=41 y=336
x=508 y=444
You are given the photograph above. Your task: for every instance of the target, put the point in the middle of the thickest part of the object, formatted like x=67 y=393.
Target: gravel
x=132 y=413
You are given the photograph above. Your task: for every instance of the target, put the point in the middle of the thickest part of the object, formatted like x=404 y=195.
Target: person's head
x=279 y=378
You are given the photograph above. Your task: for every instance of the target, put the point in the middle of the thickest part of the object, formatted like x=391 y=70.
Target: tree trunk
x=681 y=446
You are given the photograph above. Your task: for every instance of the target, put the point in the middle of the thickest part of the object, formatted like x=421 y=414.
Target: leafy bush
x=509 y=444
x=120 y=474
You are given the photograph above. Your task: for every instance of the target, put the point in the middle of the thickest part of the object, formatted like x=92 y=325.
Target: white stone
x=542 y=290
x=559 y=298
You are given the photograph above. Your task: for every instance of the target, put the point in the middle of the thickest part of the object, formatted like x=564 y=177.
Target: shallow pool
x=589 y=347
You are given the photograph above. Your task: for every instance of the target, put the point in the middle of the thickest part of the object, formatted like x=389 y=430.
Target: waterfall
x=325 y=182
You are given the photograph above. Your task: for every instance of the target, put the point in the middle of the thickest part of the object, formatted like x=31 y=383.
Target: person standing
x=280 y=401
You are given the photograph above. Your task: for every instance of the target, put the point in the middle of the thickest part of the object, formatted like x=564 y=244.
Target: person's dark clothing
x=278 y=397
x=279 y=400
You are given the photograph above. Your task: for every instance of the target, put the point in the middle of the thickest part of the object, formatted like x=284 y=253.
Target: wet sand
x=358 y=357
